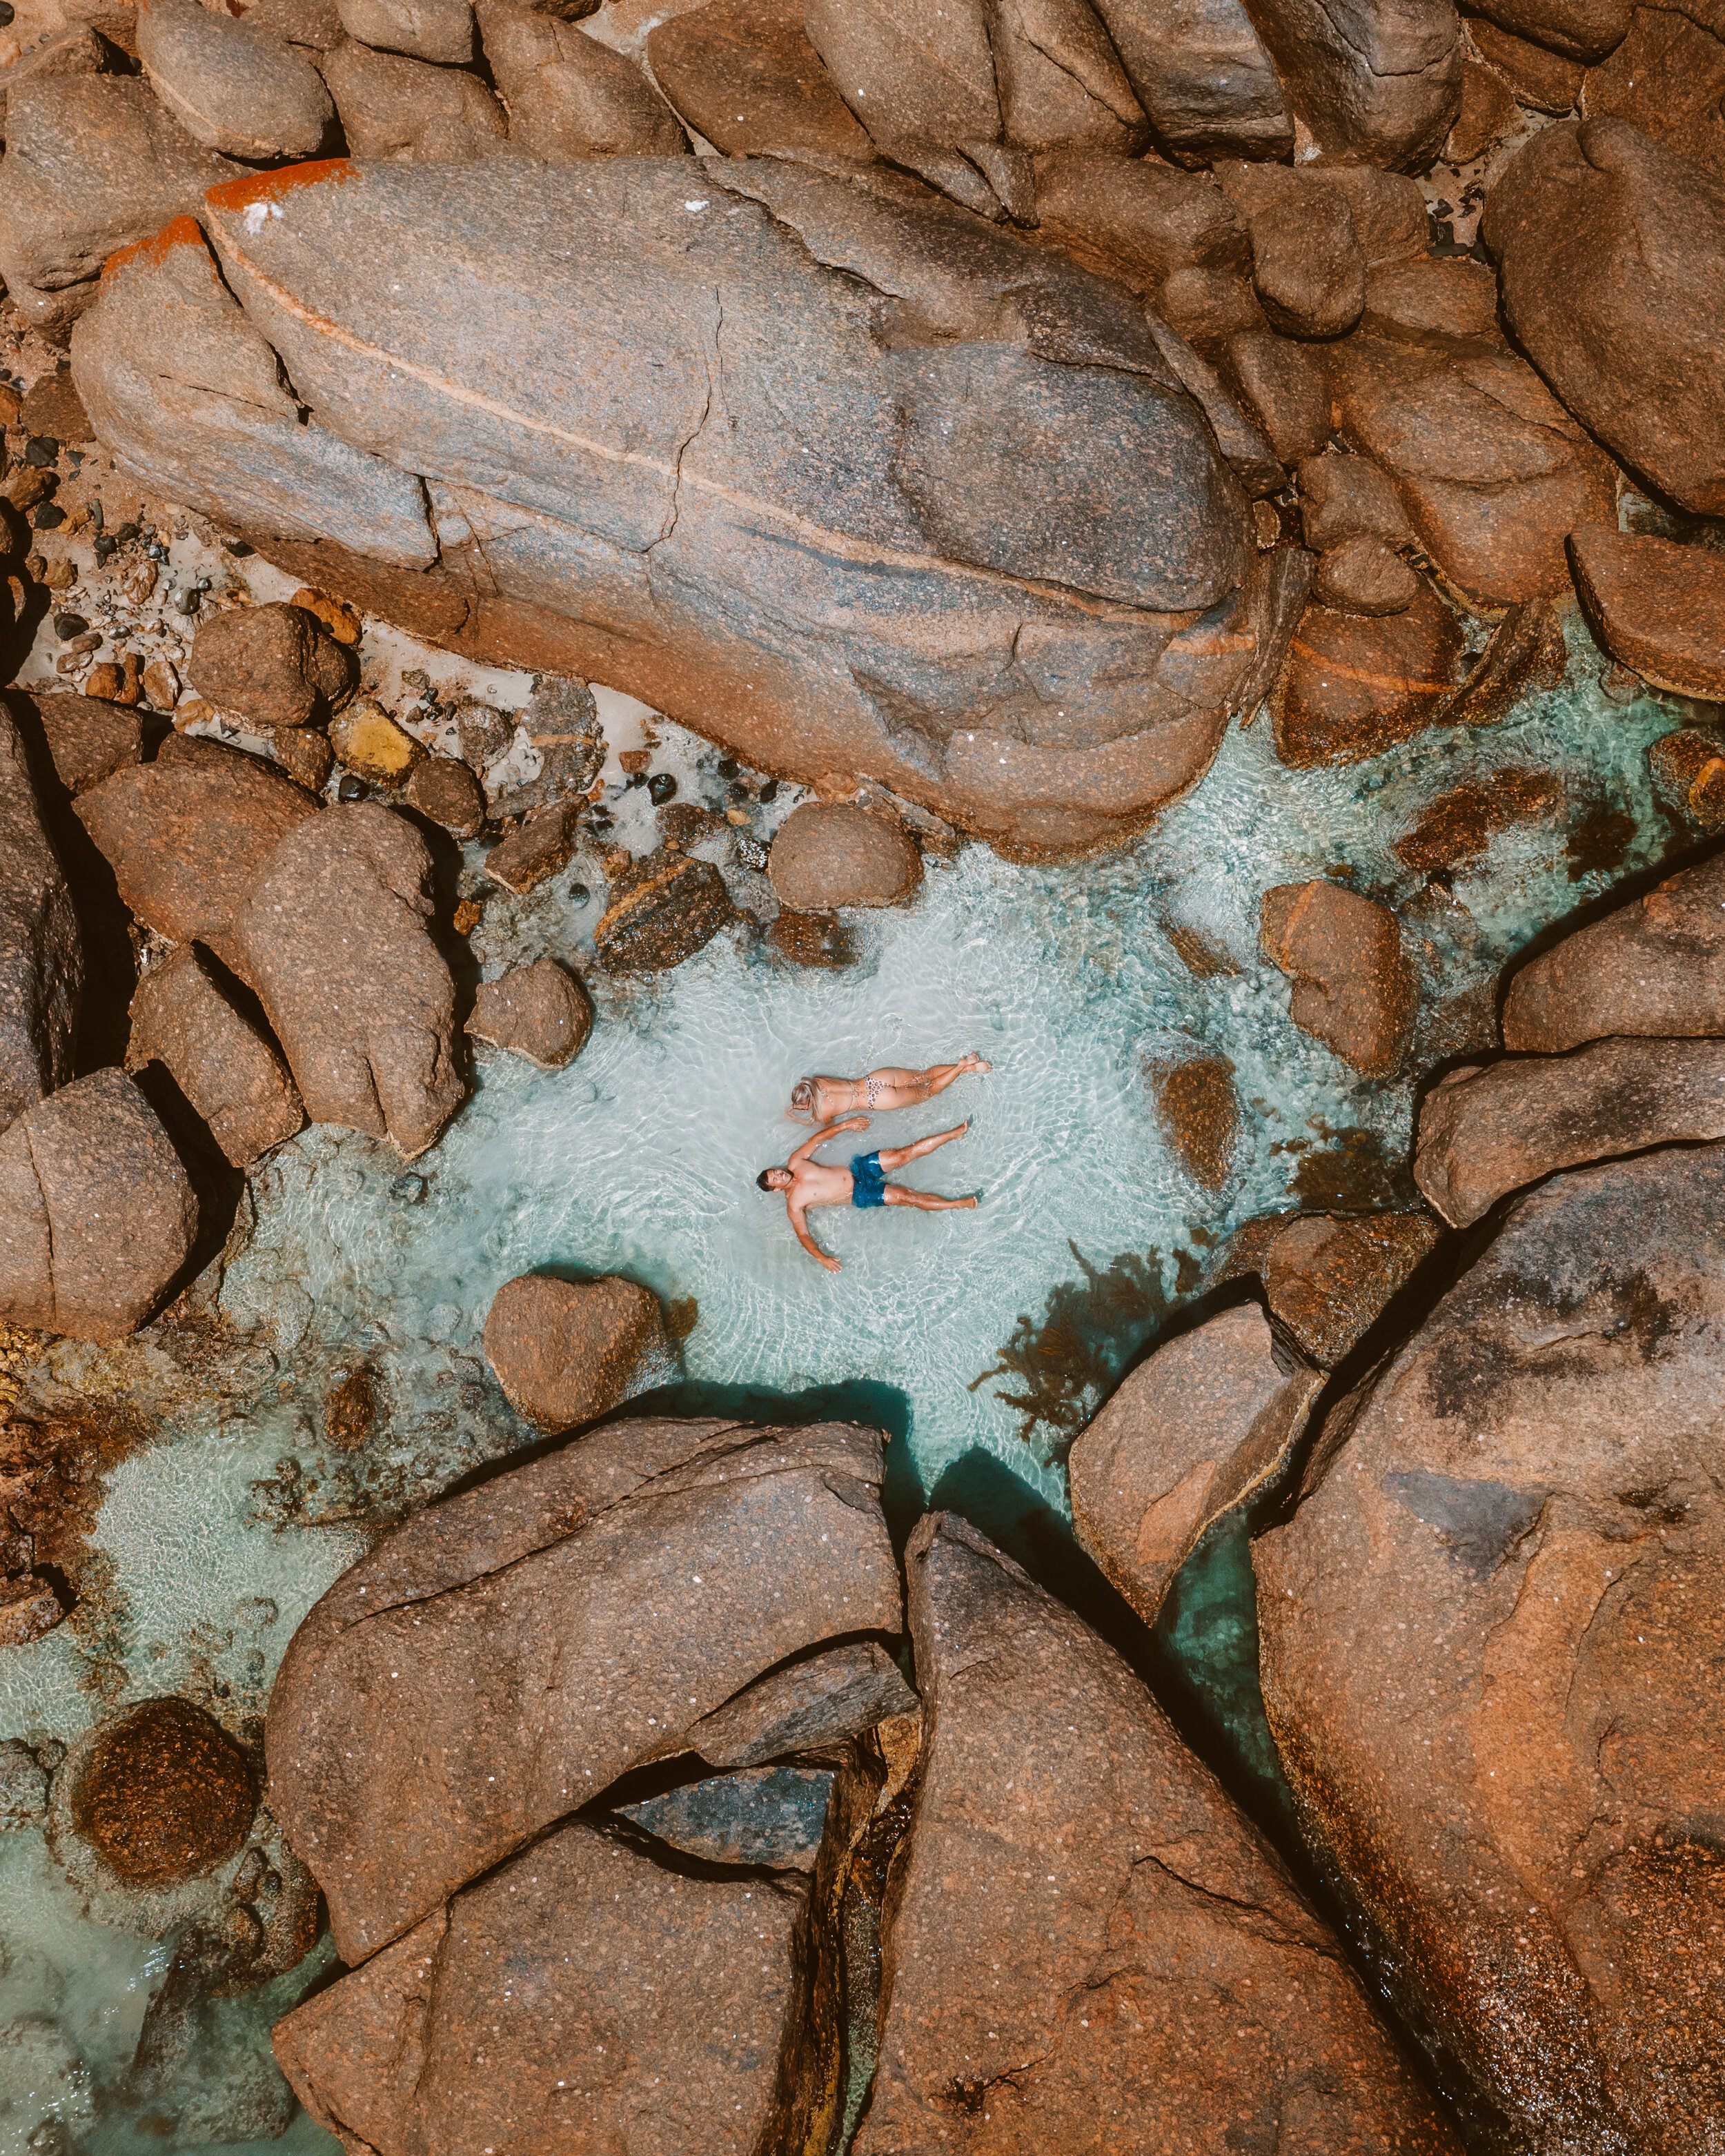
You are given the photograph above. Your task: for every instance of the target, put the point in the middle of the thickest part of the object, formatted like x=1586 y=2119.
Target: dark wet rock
x=1512 y=1531
x=1357 y=684
x=96 y=1213
x=1459 y=825
x=1306 y=264
x=1284 y=390
x=41 y=946
x=745 y=75
x=444 y=789
x=52 y=406
x=1486 y=1132
x=335 y=939
x=187 y=842
x=23 y=1784
x=1610 y=253
x=1381 y=88
x=1667 y=78
x=1327 y=1276
x=773 y=1816
x=161 y=1793
x=228 y=1072
x=194 y=2068
x=812 y=1706
x=408 y=111
x=88 y=738
x=30 y=1608
x=1353 y=989
x=1524 y=652
x=439 y=30
x=540 y=844
x=539 y=1011
x=1657 y=607
x=1362 y=575
x=1194 y=1431
x=1654 y=967
x=231 y=85
x=810 y=939
x=664 y=907
x=1062 y=81
x=1079 y=1913
x=1688 y=769
x=1492 y=472
x=1202 y=76
x=831 y=855
x=584 y=1995
x=661 y=1567
x=566 y=1351
x=1487 y=113
x=1199 y=1110
x=1578 y=29
x=94 y=163
x=568 y=95
x=270 y=666
x=1540 y=79
x=1345 y=497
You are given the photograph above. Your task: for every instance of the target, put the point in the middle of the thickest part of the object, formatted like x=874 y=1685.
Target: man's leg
x=893 y=1156
x=925 y=1201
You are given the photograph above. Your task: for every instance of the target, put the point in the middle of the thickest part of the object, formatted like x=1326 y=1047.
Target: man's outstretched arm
x=820 y=1137
x=799 y=1227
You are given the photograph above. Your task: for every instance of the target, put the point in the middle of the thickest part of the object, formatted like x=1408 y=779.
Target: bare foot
x=969 y=1205
x=973 y=1062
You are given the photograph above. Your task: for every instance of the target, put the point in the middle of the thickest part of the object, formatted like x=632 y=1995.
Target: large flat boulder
x=1087 y=1946
x=1490 y=1635
x=505 y=1657
x=41 y=948
x=1610 y=253
x=96 y=1212
x=334 y=938
x=1001 y=567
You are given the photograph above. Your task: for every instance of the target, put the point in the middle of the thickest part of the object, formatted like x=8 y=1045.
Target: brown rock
x=437 y=30
x=52 y=406
x=1306 y=264
x=809 y=1707
x=88 y=739
x=1526 y=651
x=1580 y=30
x=334 y=939
x=540 y=844
x=342 y=622
x=444 y=789
x=1513 y=1531
x=1688 y=770
x=96 y=1213
x=1080 y=1916
x=79 y=51
x=1610 y=251
x=568 y=95
x=1061 y=80
x=233 y=85
x=1539 y=77
x=1343 y=497
x=746 y=76
x=506 y=2005
x=231 y=1076
x=1355 y=685
x=566 y=1351
x=1460 y=823
x=1434 y=297
x=121 y=683
x=911 y=78
x=1327 y=1277
x=305 y=755
x=664 y=907
x=1667 y=78
x=538 y=1011
x=160 y=683
x=410 y=111
x=1191 y=1434
x=270 y=666
x=187 y=840
x=1199 y=1113
x=827 y=854
x=659 y=1567
x=29 y=1608
x=1353 y=989
x=1657 y=607
x=1362 y=575
x=41 y=944
x=1283 y=389
x=1488 y=112
x=1654 y=967
x=1486 y=1132
x=810 y=939
x=162 y=1793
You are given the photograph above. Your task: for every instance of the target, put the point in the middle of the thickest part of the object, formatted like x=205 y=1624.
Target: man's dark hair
x=760 y=1180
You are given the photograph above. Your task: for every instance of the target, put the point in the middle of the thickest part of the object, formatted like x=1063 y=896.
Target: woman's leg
x=893 y=1156
x=925 y=1201
x=940 y=1075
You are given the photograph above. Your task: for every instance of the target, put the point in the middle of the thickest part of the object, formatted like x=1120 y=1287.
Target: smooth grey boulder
x=991 y=557
x=409 y=111
x=41 y=946
x=440 y=30
x=569 y=97
x=93 y=162
x=1379 y=82
x=232 y=84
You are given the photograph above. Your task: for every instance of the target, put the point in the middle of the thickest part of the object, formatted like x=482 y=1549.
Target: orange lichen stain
x=181 y=232
x=270 y=186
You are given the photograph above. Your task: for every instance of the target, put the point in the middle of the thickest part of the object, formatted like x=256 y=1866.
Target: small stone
x=231 y=1076
x=1432 y=298
x=810 y=939
x=635 y=763
x=342 y=622
x=161 y=685
x=806 y=1708
x=1362 y=575
x=445 y=789
x=351 y=1408
x=270 y=666
x=1353 y=989
x=304 y=753
x=537 y=1011
x=566 y=1351
x=662 y=910
x=1526 y=651
x=162 y=1793
x=467 y=916
x=1657 y=607
x=569 y=97
x=766 y=1815
x=746 y=75
x=540 y=845
x=368 y=743
x=28 y=1608
x=828 y=854
x=52 y=406
x=120 y=684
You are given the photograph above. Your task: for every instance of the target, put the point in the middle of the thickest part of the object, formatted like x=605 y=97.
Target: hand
x=853 y=1123
x=832 y=1265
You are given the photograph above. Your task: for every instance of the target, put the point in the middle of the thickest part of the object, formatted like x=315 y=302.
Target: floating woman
x=820 y=1100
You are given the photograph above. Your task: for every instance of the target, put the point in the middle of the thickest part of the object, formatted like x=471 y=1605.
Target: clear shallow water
x=640 y=1158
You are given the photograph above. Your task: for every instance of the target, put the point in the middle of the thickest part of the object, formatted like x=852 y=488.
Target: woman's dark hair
x=760 y=1180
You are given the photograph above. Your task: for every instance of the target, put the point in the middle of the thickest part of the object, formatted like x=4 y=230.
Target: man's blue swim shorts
x=868 y=1180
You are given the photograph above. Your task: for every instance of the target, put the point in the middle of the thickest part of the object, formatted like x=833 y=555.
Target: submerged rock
x=1513 y=1534
x=664 y=907
x=830 y=854
x=41 y=945
x=1688 y=770
x=228 y=1072
x=161 y=1793
x=29 y=1608
x=661 y=1567
x=1199 y=1110
x=565 y=1351
x=1353 y=989
x=1657 y=607
x=1081 y=1925
x=539 y=1011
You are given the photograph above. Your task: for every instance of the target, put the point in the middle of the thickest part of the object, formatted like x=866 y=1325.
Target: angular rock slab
x=1610 y=256
x=1377 y=84
x=1655 y=965
x=584 y=1996
x=1087 y=1946
x=834 y=552
x=745 y=75
x=1486 y=1132
x=1491 y=1637
x=568 y=95
x=232 y=85
x=1202 y=75
x=1190 y=1435
x=334 y=940
x=1327 y=1276
x=229 y=1073
x=96 y=1212
x=1657 y=607
x=41 y=945
x=503 y=1658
